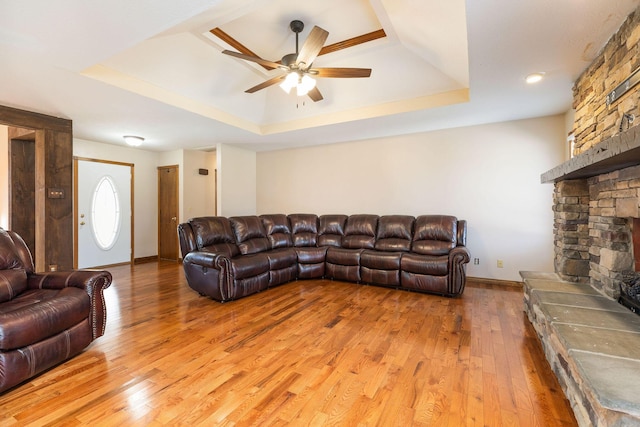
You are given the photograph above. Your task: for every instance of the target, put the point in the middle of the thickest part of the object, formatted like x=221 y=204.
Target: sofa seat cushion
x=38 y=314
x=343 y=256
x=381 y=260
x=12 y=283
x=246 y=266
x=281 y=258
x=310 y=255
x=425 y=264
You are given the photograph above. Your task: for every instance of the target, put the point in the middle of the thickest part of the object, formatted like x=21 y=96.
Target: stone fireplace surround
x=591 y=342
x=596 y=198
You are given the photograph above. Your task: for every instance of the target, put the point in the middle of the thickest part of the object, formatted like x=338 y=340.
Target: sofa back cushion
x=12 y=283
x=434 y=234
x=250 y=234
x=304 y=229
x=331 y=230
x=9 y=256
x=214 y=234
x=394 y=233
x=360 y=232
x=278 y=230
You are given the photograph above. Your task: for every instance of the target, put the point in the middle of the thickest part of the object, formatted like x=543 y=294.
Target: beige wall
x=236 y=180
x=4 y=177
x=198 y=190
x=488 y=175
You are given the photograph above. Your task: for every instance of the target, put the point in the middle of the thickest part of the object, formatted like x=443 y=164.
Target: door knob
x=81 y=222
x=174 y=218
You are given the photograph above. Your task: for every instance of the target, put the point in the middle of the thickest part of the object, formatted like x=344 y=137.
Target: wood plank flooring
x=308 y=353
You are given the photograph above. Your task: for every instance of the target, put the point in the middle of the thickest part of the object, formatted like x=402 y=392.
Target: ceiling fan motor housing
x=289 y=59
x=296 y=26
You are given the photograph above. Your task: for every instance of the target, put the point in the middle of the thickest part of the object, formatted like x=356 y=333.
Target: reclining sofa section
x=230 y=258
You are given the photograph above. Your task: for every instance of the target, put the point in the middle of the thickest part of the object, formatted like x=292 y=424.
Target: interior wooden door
x=168 y=212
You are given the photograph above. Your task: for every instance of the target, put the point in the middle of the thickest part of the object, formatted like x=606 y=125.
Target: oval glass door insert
x=105 y=213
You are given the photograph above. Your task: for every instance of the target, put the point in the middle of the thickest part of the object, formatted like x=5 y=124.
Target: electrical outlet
x=476 y=261
x=500 y=264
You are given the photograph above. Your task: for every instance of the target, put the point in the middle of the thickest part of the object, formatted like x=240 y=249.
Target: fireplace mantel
x=618 y=152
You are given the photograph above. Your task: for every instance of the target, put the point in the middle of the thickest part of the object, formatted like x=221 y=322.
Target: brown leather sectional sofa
x=229 y=258
x=45 y=318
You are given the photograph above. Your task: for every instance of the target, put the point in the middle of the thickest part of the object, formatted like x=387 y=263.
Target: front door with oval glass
x=103 y=213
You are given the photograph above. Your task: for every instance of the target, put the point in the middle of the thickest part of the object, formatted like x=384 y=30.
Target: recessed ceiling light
x=534 y=77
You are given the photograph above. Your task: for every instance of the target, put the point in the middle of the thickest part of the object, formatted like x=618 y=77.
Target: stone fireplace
x=592 y=343
x=596 y=204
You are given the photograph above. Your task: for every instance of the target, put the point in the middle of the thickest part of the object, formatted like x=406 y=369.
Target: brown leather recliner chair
x=45 y=318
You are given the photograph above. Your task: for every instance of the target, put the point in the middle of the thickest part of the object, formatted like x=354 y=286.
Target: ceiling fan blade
x=265 y=84
x=254 y=59
x=341 y=72
x=311 y=47
x=315 y=95
x=354 y=41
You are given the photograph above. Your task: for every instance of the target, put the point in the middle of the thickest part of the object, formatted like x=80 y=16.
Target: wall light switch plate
x=55 y=193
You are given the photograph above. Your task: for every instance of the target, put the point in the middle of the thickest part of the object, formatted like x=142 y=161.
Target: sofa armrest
x=94 y=282
x=209 y=273
x=458 y=259
x=208 y=259
x=459 y=255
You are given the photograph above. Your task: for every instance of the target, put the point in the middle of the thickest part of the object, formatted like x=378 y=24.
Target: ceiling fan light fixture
x=290 y=82
x=305 y=84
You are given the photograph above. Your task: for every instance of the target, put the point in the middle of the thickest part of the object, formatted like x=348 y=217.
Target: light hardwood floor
x=305 y=353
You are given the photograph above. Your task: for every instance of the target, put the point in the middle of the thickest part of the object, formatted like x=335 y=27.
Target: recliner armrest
x=94 y=282
x=207 y=259
x=459 y=255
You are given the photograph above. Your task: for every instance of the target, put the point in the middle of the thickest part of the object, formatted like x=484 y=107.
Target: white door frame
x=75 y=205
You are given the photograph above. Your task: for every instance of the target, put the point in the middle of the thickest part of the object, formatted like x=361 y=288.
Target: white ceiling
x=151 y=67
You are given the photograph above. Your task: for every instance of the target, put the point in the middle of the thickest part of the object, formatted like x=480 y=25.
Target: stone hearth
x=593 y=346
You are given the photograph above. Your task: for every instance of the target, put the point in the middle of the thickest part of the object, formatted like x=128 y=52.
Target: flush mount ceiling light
x=134 y=141
x=534 y=77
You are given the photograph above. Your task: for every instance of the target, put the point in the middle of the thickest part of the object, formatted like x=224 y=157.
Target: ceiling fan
x=298 y=66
